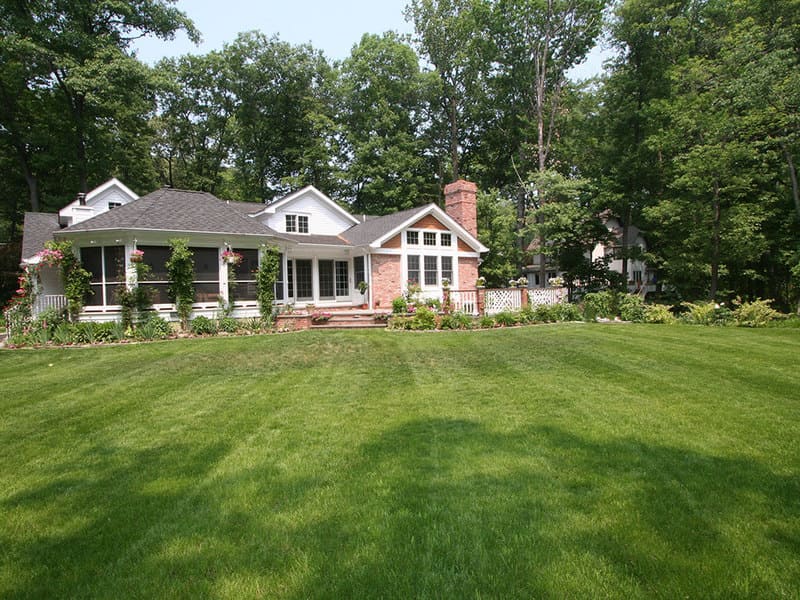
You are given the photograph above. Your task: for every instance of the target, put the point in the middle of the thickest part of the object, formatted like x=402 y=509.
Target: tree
x=382 y=108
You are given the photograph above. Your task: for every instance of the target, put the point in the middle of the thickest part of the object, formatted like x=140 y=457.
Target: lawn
x=626 y=461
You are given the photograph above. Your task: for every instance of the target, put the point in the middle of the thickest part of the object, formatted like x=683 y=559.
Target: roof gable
x=440 y=216
x=308 y=191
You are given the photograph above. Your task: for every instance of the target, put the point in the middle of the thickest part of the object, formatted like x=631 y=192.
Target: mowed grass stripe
x=506 y=463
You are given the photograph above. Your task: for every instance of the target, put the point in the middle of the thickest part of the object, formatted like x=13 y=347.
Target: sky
x=333 y=27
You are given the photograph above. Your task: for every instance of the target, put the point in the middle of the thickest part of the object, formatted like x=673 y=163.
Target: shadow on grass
x=433 y=508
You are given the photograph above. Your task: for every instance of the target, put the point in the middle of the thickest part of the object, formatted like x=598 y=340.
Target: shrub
x=203 y=326
x=399 y=306
x=706 y=313
x=544 y=313
x=50 y=319
x=423 y=319
x=103 y=332
x=631 y=308
x=434 y=303
x=486 y=322
x=527 y=314
x=565 y=312
x=64 y=334
x=157 y=328
x=117 y=331
x=658 y=313
x=228 y=325
x=506 y=318
x=266 y=276
x=86 y=333
x=600 y=304
x=180 y=270
x=399 y=322
x=754 y=314
x=254 y=324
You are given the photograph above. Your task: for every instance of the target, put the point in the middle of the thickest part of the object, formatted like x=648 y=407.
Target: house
x=325 y=250
x=639 y=278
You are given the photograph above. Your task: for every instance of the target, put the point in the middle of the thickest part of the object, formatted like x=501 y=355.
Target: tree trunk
x=715 y=245
x=793 y=177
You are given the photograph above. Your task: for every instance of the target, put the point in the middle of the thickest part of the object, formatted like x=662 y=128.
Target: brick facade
x=387 y=279
x=467 y=273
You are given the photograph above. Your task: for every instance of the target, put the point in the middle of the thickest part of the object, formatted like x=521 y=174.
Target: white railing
x=45 y=302
x=503 y=299
x=547 y=296
x=464 y=301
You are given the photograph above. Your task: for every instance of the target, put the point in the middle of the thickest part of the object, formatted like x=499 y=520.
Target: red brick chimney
x=461 y=203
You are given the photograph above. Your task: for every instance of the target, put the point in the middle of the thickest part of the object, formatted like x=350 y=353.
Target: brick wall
x=460 y=200
x=387 y=279
x=467 y=273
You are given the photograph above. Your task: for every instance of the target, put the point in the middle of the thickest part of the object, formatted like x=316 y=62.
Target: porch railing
x=47 y=301
x=503 y=299
x=464 y=301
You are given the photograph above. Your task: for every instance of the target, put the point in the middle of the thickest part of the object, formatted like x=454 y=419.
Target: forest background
x=691 y=134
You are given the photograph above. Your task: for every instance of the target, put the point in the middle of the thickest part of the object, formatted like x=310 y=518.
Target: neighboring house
x=639 y=278
x=325 y=251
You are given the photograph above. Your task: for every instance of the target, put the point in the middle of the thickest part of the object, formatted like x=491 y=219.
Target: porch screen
x=206 y=274
x=245 y=272
x=156 y=258
x=107 y=266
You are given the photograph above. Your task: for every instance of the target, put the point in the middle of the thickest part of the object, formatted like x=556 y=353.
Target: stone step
x=349 y=324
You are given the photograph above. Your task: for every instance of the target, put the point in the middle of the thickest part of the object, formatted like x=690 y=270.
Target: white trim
x=444 y=218
x=271 y=208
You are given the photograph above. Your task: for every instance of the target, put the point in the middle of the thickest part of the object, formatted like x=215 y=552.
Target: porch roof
x=38 y=228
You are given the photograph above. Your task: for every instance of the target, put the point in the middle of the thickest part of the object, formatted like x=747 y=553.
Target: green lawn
x=552 y=461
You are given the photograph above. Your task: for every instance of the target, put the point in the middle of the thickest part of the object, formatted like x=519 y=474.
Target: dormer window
x=114 y=205
x=296 y=223
x=412 y=238
x=429 y=238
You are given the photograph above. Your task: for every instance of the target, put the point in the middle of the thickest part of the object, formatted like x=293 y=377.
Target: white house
x=325 y=250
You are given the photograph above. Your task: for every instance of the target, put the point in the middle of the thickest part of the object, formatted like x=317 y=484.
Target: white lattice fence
x=547 y=296
x=502 y=299
x=465 y=301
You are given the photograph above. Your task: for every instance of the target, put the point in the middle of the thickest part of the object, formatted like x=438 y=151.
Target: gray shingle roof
x=38 y=228
x=325 y=240
x=375 y=227
x=178 y=210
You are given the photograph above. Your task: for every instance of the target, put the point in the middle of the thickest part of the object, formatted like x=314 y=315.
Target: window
x=342 y=274
x=291 y=223
x=447 y=268
x=446 y=240
x=290 y=278
x=431 y=270
x=206 y=274
x=114 y=205
x=107 y=266
x=637 y=276
x=303 y=279
x=245 y=271
x=429 y=238
x=360 y=270
x=413 y=269
x=302 y=223
x=296 y=223
x=412 y=238
x=325 y=279
x=280 y=279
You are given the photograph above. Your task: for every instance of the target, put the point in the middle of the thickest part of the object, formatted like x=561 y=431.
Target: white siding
x=322 y=218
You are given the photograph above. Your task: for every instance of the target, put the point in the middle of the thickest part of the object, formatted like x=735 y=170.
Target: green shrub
x=600 y=304
x=527 y=314
x=117 y=331
x=544 y=313
x=757 y=313
x=50 y=319
x=706 y=313
x=658 y=313
x=433 y=303
x=565 y=312
x=86 y=333
x=103 y=332
x=64 y=334
x=424 y=318
x=203 y=326
x=40 y=334
x=486 y=322
x=253 y=324
x=266 y=276
x=448 y=322
x=400 y=322
x=228 y=325
x=399 y=305
x=631 y=307
x=506 y=318
x=154 y=328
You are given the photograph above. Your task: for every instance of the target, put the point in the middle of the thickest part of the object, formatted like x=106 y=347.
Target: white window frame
x=295 y=220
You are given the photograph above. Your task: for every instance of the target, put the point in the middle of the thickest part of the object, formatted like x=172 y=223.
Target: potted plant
x=137 y=256
x=480 y=282
x=229 y=257
x=363 y=286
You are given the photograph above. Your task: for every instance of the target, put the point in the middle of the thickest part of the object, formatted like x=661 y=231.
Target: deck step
x=354 y=320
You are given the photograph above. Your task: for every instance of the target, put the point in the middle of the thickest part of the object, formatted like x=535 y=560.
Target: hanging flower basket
x=137 y=256
x=229 y=257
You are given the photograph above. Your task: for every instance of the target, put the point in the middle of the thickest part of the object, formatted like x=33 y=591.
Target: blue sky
x=333 y=27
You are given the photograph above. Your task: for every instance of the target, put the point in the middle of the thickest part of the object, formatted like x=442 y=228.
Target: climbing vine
x=180 y=270
x=266 y=276
x=77 y=280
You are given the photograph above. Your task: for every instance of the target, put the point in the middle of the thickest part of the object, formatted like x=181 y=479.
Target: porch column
x=223 y=274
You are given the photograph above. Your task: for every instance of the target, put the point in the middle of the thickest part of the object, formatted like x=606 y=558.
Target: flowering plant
x=321 y=317
x=445 y=282
x=480 y=282
x=50 y=257
x=522 y=281
x=556 y=281
x=232 y=258
x=512 y=283
x=137 y=256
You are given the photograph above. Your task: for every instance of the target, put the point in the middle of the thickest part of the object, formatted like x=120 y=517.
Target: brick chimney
x=461 y=203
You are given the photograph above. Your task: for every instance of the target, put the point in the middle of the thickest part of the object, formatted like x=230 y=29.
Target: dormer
x=306 y=212
x=112 y=194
